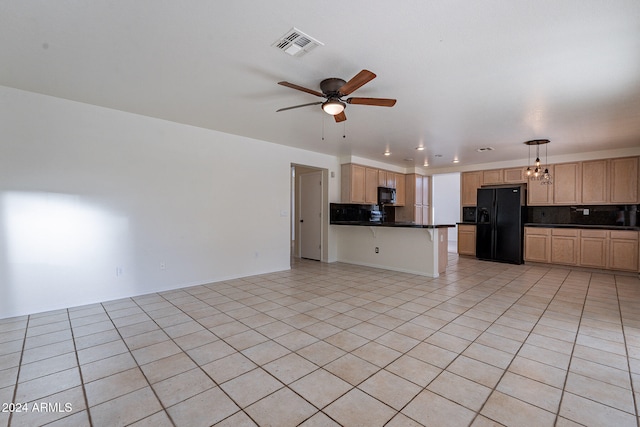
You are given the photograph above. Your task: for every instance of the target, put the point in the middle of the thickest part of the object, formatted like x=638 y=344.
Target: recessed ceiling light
x=426 y=163
x=420 y=148
x=387 y=153
x=456 y=161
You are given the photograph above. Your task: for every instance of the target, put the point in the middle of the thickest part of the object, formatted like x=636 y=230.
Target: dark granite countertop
x=591 y=227
x=390 y=224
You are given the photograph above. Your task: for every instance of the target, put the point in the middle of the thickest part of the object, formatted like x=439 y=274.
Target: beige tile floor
x=325 y=345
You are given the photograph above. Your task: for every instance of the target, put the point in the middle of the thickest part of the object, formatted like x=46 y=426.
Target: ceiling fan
x=334 y=89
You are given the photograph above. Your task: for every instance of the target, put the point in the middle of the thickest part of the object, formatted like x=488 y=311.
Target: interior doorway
x=308 y=212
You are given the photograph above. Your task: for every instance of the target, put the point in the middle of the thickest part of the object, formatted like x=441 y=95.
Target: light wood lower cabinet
x=605 y=249
x=466 y=239
x=594 y=248
x=564 y=246
x=537 y=244
x=623 y=250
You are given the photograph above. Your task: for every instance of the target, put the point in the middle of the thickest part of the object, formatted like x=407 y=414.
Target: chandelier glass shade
x=537 y=171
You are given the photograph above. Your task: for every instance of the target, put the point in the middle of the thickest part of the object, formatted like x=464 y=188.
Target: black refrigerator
x=500 y=219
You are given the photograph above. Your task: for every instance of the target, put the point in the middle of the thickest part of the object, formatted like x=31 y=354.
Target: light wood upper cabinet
x=353 y=183
x=624 y=180
x=595 y=182
x=386 y=179
x=426 y=190
x=400 y=187
x=514 y=176
x=371 y=185
x=567 y=183
x=492 y=177
x=413 y=208
x=539 y=194
x=469 y=183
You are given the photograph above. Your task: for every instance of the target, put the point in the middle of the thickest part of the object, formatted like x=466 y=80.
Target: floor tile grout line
x=138 y=366
x=82 y=383
x=573 y=347
x=460 y=353
x=572 y=357
x=294 y=352
x=304 y=288
x=287 y=386
x=201 y=368
x=626 y=350
x=505 y=370
x=15 y=390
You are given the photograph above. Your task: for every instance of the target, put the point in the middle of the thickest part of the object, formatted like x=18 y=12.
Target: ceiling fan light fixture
x=333 y=106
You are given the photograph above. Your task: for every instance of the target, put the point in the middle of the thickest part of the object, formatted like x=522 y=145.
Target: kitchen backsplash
x=625 y=215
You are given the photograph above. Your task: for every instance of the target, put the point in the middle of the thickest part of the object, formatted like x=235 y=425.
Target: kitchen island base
x=415 y=250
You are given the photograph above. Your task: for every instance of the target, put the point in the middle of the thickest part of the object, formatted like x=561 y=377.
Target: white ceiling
x=467 y=74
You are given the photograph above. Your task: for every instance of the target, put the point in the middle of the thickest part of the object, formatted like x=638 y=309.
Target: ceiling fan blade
x=341 y=117
x=380 y=102
x=303 y=89
x=298 y=106
x=360 y=79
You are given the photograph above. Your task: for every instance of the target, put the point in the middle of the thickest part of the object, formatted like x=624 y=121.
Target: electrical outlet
x=119 y=271
x=585 y=212
x=377 y=249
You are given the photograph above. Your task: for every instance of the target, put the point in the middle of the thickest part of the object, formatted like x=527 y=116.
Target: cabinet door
x=400 y=189
x=467 y=240
x=492 y=177
x=417 y=186
x=539 y=194
x=514 y=176
x=595 y=182
x=537 y=244
x=391 y=180
x=357 y=184
x=623 y=250
x=426 y=214
x=566 y=182
x=624 y=180
x=594 y=245
x=382 y=178
x=470 y=182
x=564 y=246
x=371 y=186
x=426 y=190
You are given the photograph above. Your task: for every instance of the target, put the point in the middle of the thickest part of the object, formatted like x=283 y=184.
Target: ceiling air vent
x=296 y=43
x=482 y=150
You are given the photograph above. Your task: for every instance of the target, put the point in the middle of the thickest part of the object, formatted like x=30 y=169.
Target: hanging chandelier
x=537 y=171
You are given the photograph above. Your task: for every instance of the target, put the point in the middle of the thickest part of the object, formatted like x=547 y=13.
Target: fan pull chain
x=323 y=116
x=344 y=130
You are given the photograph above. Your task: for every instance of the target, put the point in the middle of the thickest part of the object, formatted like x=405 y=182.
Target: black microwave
x=386 y=196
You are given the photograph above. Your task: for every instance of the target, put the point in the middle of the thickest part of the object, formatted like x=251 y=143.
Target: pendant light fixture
x=538 y=172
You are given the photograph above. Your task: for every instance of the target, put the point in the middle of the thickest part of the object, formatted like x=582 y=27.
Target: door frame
x=296 y=171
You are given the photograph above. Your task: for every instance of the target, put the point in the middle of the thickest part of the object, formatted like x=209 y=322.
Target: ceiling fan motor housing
x=331 y=87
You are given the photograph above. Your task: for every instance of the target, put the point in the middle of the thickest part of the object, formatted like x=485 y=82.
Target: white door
x=310 y=215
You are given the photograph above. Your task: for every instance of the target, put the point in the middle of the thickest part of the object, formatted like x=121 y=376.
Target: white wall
x=446 y=201
x=98 y=204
